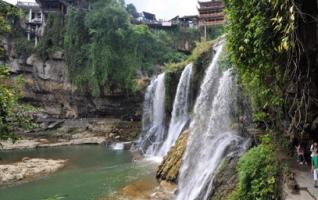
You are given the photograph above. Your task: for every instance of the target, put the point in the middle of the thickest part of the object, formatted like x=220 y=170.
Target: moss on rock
x=169 y=168
x=225 y=180
x=201 y=58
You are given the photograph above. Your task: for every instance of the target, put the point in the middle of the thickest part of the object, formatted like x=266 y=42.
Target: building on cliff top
x=33 y=21
x=211 y=13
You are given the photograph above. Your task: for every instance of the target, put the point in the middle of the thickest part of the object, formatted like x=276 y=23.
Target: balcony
x=36 y=21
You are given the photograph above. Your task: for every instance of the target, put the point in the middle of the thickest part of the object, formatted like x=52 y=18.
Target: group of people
x=314 y=160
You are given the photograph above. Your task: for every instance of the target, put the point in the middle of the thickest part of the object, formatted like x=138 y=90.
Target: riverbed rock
x=170 y=166
x=20 y=144
x=28 y=169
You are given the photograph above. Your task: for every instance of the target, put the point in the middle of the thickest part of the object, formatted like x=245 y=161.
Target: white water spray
x=211 y=138
x=180 y=113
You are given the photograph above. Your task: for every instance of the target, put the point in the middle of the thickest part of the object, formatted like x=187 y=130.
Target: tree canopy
x=104 y=50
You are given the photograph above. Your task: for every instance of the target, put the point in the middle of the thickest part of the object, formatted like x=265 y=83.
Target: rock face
x=170 y=166
x=47 y=86
x=27 y=169
x=226 y=179
x=76 y=132
x=224 y=182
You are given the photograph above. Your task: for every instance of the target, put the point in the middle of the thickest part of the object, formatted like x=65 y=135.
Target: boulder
x=170 y=166
x=28 y=168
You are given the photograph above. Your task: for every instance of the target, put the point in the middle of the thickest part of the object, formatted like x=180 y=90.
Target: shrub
x=24 y=47
x=259 y=173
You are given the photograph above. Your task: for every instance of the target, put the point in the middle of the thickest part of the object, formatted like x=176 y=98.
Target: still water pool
x=92 y=172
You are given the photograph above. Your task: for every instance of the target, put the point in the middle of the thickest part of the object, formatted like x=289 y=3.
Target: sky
x=164 y=9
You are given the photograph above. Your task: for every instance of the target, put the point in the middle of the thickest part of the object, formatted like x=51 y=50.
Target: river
x=92 y=172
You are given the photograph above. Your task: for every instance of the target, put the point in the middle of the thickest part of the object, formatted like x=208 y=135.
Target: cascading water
x=211 y=138
x=153 y=131
x=180 y=113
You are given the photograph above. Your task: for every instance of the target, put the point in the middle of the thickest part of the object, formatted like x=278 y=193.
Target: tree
x=131 y=9
x=104 y=50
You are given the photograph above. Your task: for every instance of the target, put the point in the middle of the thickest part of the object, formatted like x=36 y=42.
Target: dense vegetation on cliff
x=13 y=115
x=274 y=55
x=112 y=50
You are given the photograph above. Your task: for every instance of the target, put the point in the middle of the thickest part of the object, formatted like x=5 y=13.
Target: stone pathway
x=305 y=182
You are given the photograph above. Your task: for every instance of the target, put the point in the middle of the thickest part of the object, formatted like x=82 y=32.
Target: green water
x=92 y=172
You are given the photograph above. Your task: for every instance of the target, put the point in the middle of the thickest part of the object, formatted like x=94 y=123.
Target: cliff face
x=48 y=88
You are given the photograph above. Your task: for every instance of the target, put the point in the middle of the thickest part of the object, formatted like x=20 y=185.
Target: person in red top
x=300 y=154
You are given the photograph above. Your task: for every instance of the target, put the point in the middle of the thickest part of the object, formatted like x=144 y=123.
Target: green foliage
x=104 y=51
x=7 y=13
x=24 y=47
x=12 y=114
x=259 y=173
x=131 y=9
x=214 y=32
x=259 y=36
x=171 y=88
x=53 y=36
x=201 y=58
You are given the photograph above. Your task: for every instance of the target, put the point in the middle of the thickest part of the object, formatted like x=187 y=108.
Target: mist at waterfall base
x=212 y=137
x=156 y=139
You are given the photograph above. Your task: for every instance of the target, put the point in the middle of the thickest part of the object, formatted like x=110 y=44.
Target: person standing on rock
x=314 y=167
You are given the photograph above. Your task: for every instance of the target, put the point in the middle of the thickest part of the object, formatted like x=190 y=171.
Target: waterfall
x=153 y=127
x=211 y=138
x=180 y=112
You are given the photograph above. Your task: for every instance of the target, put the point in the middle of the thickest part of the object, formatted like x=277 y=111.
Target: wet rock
x=28 y=168
x=137 y=155
x=20 y=144
x=225 y=180
x=170 y=166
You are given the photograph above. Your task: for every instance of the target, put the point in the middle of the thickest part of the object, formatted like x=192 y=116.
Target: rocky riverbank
x=28 y=169
x=76 y=132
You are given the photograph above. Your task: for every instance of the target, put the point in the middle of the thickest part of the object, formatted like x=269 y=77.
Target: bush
x=13 y=115
x=53 y=38
x=24 y=47
x=259 y=173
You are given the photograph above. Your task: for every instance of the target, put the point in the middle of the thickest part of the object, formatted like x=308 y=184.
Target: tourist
x=314 y=167
x=300 y=154
x=313 y=149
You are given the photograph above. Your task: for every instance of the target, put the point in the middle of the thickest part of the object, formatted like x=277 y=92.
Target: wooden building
x=211 y=13
x=33 y=20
